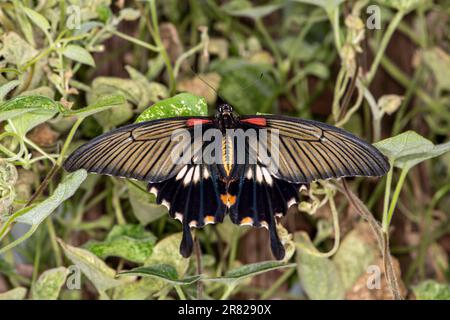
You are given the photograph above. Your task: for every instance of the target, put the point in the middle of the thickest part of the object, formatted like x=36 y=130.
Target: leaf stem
x=163 y=51
x=387 y=195
x=396 y=195
x=383 y=45
x=134 y=40
x=180 y=292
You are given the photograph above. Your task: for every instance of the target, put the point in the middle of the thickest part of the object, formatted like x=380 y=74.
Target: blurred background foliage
x=73 y=69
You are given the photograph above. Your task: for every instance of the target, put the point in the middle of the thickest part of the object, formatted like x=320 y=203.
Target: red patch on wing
x=195 y=122
x=256 y=121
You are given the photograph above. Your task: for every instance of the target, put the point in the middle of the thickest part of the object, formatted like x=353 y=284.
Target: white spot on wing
x=196 y=174
x=267 y=176
x=259 y=176
x=179 y=216
x=249 y=173
x=154 y=191
x=166 y=204
x=181 y=173
x=193 y=223
x=205 y=173
x=188 y=177
x=291 y=202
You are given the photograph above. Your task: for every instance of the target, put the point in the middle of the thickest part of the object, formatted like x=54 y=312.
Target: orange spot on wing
x=195 y=122
x=209 y=219
x=228 y=199
x=247 y=220
x=256 y=121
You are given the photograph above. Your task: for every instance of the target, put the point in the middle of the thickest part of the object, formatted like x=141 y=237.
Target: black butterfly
x=250 y=191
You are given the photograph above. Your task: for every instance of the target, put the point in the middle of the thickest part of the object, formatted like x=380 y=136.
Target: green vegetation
x=70 y=71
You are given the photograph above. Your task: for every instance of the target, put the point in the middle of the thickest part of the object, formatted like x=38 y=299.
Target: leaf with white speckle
x=183 y=104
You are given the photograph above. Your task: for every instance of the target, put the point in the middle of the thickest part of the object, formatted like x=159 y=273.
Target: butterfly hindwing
x=260 y=197
x=192 y=197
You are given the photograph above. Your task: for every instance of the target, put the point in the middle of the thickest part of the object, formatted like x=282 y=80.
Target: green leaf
x=432 y=290
x=7 y=88
x=37 y=19
x=63 y=191
x=143 y=203
x=104 y=12
x=138 y=290
x=49 y=284
x=26 y=104
x=183 y=104
x=18 y=293
x=167 y=251
x=412 y=160
x=248 y=87
x=130 y=242
x=34 y=215
x=402 y=5
x=101 y=276
x=355 y=254
x=244 y=9
x=328 y=5
x=129 y=14
x=409 y=148
x=439 y=63
x=319 y=276
x=26 y=112
x=150 y=92
x=102 y=104
x=78 y=54
x=16 y=50
x=317 y=69
x=250 y=270
x=164 y=272
x=131 y=90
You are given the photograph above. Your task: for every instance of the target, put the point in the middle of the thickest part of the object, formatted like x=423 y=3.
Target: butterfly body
x=225 y=172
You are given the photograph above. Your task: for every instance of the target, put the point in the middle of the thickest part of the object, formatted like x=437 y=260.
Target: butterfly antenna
x=206 y=82
x=253 y=82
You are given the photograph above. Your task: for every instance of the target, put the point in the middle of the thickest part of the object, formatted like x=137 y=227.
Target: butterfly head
x=225 y=116
x=225 y=109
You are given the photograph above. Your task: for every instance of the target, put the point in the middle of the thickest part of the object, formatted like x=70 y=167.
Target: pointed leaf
x=49 y=284
x=183 y=104
x=25 y=104
x=34 y=215
x=78 y=54
x=37 y=19
x=252 y=12
x=101 y=276
x=164 y=272
x=65 y=190
x=409 y=148
x=250 y=270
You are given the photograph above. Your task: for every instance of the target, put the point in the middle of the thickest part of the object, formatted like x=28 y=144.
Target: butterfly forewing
x=141 y=151
x=310 y=150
